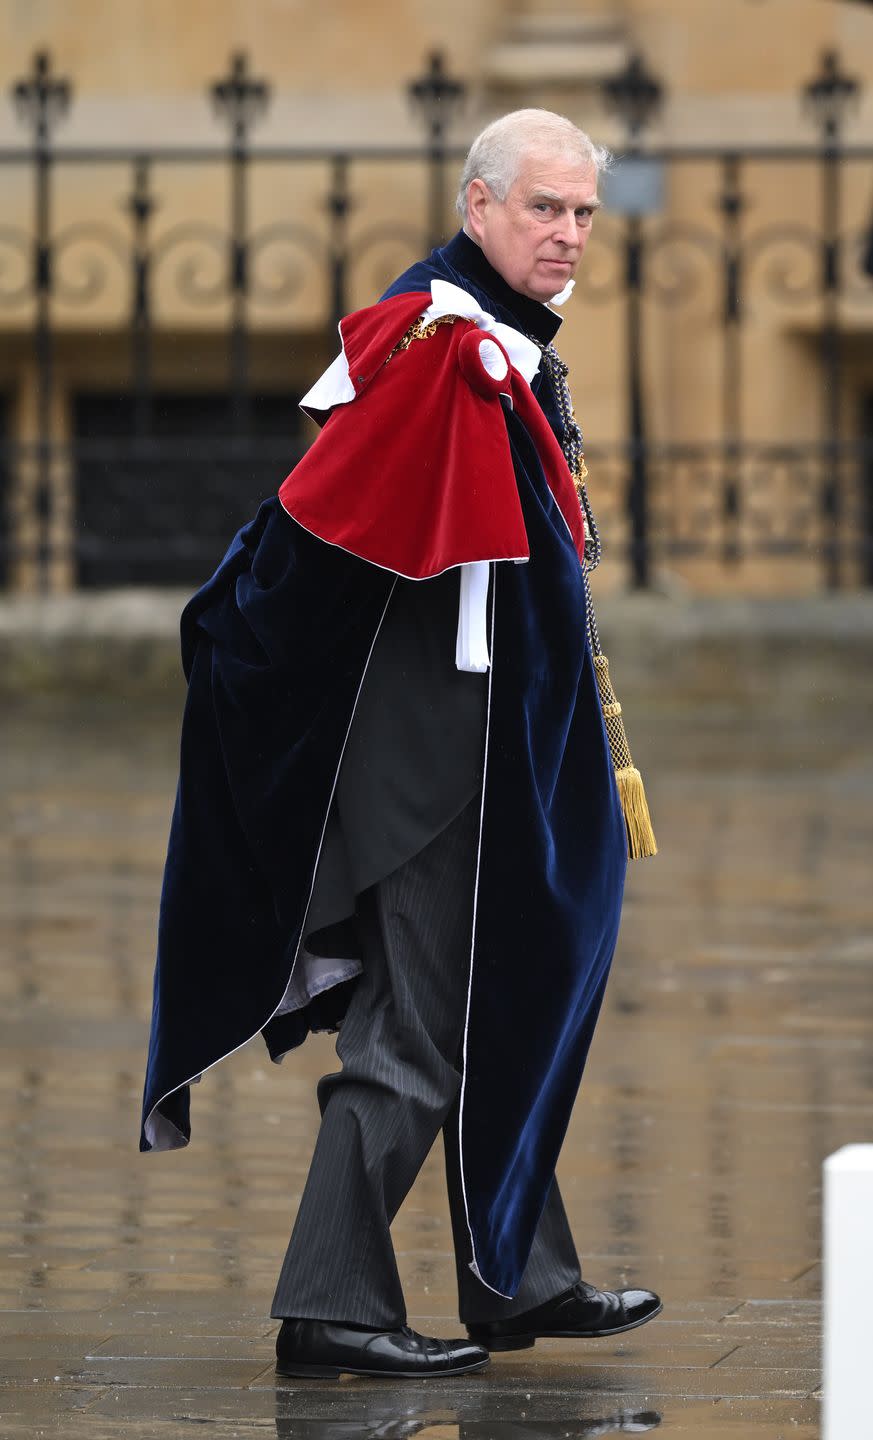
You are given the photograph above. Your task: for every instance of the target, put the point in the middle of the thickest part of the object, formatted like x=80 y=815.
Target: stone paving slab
x=733 y=1056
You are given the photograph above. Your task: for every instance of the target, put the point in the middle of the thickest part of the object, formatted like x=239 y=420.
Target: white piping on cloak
x=194 y=1078
x=474 y=1266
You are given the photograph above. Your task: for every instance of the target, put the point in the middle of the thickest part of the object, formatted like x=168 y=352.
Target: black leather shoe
x=579 y=1313
x=327 y=1349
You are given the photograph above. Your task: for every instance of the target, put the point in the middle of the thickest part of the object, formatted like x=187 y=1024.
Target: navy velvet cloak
x=275 y=648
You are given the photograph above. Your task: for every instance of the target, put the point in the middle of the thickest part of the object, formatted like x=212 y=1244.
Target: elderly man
x=397 y=814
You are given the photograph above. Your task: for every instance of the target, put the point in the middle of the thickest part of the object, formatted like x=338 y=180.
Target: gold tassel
x=640 y=834
x=631 y=791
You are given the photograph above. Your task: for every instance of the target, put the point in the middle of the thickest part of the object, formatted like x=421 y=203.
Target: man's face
x=535 y=238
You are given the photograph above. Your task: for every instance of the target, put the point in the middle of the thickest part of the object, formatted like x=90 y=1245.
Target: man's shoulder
x=416 y=278
x=438 y=265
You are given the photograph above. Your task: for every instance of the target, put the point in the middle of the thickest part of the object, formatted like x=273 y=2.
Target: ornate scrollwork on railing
x=782 y=497
x=15 y=256
x=778 y=495
x=600 y=277
x=684 y=503
x=204 y=250
x=276 y=278
x=89 y=243
x=680 y=256
x=791 y=256
x=378 y=253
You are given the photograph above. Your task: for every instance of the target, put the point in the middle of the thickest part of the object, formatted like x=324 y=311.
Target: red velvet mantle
x=415 y=474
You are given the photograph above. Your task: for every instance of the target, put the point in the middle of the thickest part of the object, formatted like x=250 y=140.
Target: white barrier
x=848 y=1291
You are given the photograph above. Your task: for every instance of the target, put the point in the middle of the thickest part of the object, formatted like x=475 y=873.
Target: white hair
x=496 y=154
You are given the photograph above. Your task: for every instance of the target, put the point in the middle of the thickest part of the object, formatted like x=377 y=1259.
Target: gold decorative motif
x=422 y=329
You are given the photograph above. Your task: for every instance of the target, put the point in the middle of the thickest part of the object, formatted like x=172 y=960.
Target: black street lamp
x=830 y=95
x=634 y=95
x=437 y=95
x=239 y=100
x=41 y=101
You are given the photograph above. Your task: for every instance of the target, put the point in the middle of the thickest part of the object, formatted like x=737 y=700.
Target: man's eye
x=543 y=205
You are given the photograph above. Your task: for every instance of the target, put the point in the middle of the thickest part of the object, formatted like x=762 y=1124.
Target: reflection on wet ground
x=735 y=1053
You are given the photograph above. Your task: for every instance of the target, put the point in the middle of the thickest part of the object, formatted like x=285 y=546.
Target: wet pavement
x=734 y=1054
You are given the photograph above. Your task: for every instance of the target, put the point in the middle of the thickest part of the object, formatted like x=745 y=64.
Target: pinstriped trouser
x=398 y=1087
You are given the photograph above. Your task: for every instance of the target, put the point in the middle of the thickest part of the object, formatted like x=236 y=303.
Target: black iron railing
x=144 y=479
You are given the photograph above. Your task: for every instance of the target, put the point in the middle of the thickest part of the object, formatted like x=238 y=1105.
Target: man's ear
x=478 y=199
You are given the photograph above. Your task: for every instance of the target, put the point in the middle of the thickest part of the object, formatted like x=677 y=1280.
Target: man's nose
x=565 y=229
